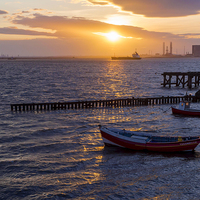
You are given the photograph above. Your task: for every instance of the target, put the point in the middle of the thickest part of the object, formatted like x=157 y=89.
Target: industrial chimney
x=163 y=48
x=171 y=48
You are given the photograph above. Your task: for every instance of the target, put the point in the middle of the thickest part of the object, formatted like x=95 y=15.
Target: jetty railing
x=101 y=103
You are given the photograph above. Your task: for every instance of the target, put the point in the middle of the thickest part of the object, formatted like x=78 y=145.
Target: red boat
x=184 y=109
x=137 y=140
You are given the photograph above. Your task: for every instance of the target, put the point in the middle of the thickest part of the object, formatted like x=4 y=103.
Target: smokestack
x=166 y=49
x=170 y=47
x=163 y=48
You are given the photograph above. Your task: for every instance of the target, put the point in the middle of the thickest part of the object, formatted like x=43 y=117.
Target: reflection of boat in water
x=137 y=140
x=135 y=56
x=184 y=109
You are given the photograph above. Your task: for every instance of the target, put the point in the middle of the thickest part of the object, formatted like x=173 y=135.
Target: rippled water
x=60 y=154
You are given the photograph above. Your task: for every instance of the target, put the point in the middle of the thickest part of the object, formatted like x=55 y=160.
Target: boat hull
x=124 y=58
x=110 y=138
x=185 y=112
x=173 y=147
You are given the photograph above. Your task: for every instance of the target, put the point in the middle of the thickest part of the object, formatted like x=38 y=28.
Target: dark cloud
x=3 y=12
x=38 y=9
x=99 y=2
x=158 y=8
x=16 y=31
x=24 y=12
x=65 y=27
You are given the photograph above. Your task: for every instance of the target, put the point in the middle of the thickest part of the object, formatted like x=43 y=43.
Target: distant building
x=196 y=50
x=167 y=52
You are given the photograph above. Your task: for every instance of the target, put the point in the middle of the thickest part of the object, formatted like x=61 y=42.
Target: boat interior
x=153 y=138
x=186 y=106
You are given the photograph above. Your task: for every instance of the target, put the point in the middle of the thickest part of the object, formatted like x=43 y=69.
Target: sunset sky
x=97 y=27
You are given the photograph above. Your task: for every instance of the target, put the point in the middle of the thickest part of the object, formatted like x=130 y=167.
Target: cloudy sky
x=97 y=27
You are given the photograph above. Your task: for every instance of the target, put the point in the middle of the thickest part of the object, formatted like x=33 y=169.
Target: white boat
x=136 y=55
x=184 y=109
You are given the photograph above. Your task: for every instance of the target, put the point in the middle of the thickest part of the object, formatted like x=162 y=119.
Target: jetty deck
x=188 y=79
x=101 y=103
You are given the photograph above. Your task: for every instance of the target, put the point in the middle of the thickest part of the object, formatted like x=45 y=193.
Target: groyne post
x=101 y=103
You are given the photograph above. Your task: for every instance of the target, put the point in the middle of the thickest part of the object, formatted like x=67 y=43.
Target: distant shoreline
x=86 y=57
x=45 y=57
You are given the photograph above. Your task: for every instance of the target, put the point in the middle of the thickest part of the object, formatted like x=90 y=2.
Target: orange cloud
x=76 y=36
x=157 y=8
x=65 y=27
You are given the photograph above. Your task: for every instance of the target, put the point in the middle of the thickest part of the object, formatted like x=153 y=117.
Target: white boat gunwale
x=149 y=138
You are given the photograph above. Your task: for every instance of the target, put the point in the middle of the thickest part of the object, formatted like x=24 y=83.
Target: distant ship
x=135 y=56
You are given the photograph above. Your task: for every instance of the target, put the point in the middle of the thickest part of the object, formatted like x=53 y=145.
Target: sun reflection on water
x=114 y=77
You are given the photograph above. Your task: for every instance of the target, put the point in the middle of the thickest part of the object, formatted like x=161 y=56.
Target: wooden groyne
x=188 y=79
x=101 y=103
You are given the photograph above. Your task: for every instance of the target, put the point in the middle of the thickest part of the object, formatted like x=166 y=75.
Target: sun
x=112 y=36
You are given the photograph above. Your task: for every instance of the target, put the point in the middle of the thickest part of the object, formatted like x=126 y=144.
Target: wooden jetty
x=101 y=103
x=181 y=78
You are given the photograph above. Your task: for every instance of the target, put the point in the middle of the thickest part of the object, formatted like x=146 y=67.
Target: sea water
x=60 y=154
